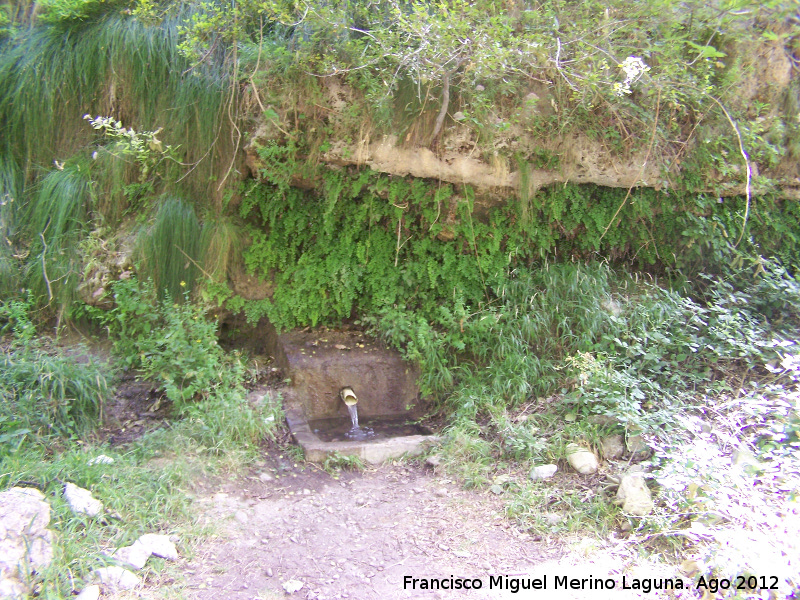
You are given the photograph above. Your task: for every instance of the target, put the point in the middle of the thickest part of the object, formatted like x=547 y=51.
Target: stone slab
x=322 y=362
x=371 y=451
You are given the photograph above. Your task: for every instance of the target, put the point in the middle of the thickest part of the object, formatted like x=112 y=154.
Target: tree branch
x=437 y=127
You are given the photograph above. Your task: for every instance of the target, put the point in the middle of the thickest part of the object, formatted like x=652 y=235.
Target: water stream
x=357 y=433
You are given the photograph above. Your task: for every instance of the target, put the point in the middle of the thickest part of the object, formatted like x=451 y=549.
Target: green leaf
x=707 y=51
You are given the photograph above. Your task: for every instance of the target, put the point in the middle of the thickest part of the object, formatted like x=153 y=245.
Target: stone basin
x=319 y=363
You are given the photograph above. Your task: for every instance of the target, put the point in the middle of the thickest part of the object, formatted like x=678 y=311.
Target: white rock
x=101 y=459
x=582 y=460
x=612 y=447
x=90 y=592
x=115 y=579
x=12 y=589
x=25 y=541
x=553 y=518
x=543 y=472
x=81 y=500
x=635 y=495
x=135 y=555
x=160 y=545
x=292 y=586
x=459 y=116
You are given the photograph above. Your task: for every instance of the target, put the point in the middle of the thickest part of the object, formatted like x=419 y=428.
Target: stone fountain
x=338 y=378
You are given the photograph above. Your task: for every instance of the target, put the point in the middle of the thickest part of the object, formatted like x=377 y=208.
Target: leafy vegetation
x=576 y=353
x=175 y=345
x=561 y=316
x=368 y=243
x=43 y=392
x=51 y=403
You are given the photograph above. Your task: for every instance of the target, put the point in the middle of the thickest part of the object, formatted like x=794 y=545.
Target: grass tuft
x=50 y=76
x=222 y=247
x=54 y=219
x=169 y=252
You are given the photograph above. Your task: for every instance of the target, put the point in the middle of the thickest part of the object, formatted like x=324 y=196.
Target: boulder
x=159 y=544
x=582 y=460
x=612 y=447
x=81 y=501
x=116 y=579
x=90 y=592
x=634 y=495
x=543 y=472
x=134 y=556
x=13 y=589
x=26 y=545
x=637 y=446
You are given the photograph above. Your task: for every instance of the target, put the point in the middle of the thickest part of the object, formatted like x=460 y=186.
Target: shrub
x=173 y=343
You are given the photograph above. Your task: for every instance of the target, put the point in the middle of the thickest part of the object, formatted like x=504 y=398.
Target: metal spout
x=348 y=396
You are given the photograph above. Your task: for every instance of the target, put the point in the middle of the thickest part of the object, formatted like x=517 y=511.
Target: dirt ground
x=357 y=535
x=361 y=535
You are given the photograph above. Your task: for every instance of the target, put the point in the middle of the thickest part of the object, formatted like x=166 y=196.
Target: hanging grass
x=58 y=211
x=51 y=75
x=222 y=246
x=11 y=189
x=118 y=189
x=54 y=220
x=12 y=186
x=169 y=252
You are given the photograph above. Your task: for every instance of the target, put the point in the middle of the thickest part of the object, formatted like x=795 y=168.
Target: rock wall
x=461 y=157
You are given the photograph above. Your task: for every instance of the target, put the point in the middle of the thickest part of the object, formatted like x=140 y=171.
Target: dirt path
x=356 y=537
x=359 y=536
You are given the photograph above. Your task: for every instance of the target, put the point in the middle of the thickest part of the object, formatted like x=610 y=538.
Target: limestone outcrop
x=26 y=545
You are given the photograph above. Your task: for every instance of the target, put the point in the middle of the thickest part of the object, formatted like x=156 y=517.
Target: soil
x=361 y=534
x=352 y=537
x=135 y=408
x=348 y=534
x=343 y=534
